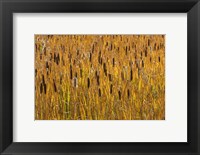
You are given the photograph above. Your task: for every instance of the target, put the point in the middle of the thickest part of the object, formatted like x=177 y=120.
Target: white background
x=173 y=129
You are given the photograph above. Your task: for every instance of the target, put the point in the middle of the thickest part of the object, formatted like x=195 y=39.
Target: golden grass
x=99 y=77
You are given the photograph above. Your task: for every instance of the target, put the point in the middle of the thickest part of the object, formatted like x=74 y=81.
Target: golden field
x=99 y=77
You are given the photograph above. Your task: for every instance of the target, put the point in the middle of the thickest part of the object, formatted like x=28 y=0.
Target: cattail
x=131 y=75
x=142 y=63
x=96 y=73
x=145 y=52
x=111 y=47
x=110 y=77
x=148 y=42
x=150 y=59
x=54 y=84
x=119 y=93
x=76 y=75
x=77 y=52
x=122 y=75
x=104 y=68
x=99 y=92
x=141 y=54
x=98 y=80
x=88 y=82
x=126 y=50
x=70 y=57
x=40 y=56
x=47 y=65
x=92 y=48
x=128 y=93
x=111 y=88
x=90 y=57
x=159 y=59
x=71 y=73
x=113 y=62
x=43 y=81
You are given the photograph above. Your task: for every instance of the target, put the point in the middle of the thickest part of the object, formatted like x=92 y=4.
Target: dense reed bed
x=99 y=77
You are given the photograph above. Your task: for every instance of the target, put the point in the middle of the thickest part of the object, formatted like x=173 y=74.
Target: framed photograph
x=99 y=76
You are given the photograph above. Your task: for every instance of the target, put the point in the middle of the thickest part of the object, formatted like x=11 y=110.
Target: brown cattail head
x=113 y=62
x=119 y=93
x=142 y=63
x=88 y=82
x=54 y=85
x=149 y=42
x=93 y=48
x=159 y=58
x=104 y=68
x=99 y=92
x=71 y=72
x=122 y=75
x=146 y=52
x=90 y=57
x=47 y=65
x=111 y=89
x=110 y=77
x=128 y=93
x=43 y=81
x=98 y=80
x=131 y=75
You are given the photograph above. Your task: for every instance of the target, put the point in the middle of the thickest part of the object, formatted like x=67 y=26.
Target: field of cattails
x=99 y=77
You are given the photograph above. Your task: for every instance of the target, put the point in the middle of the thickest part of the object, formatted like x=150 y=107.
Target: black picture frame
x=8 y=7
